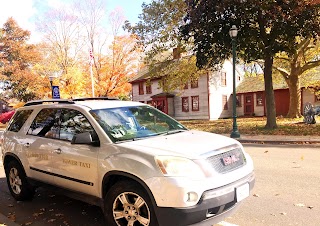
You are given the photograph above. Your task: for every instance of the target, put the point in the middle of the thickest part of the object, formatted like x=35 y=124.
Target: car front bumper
x=214 y=206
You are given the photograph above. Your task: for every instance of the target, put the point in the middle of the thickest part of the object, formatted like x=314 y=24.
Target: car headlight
x=179 y=167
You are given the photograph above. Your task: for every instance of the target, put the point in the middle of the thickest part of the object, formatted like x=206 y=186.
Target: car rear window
x=18 y=120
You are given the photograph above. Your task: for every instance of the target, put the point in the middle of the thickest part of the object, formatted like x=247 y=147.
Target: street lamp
x=233 y=32
x=51 y=84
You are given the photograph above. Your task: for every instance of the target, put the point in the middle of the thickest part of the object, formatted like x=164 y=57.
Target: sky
x=25 y=11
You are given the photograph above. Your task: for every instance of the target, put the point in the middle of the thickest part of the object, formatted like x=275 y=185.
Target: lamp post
x=51 y=84
x=233 y=32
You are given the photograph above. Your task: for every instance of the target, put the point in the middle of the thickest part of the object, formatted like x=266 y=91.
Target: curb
x=300 y=142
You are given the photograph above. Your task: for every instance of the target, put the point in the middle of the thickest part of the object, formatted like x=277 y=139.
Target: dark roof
x=256 y=84
x=163 y=95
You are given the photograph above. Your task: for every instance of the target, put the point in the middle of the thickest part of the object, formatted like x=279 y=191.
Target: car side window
x=45 y=124
x=18 y=120
x=73 y=122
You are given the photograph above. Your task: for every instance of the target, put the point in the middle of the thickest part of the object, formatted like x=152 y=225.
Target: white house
x=208 y=98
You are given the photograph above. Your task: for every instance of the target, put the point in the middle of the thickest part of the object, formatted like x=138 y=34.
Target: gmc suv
x=140 y=165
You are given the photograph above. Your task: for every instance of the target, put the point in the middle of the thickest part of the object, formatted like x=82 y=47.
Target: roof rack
x=59 y=101
x=95 y=98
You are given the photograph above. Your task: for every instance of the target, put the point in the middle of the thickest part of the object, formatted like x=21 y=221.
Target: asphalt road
x=286 y=193
x=287 y=189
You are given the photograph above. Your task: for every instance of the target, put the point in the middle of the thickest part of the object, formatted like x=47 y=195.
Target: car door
x=38 y=146
x=75 y=165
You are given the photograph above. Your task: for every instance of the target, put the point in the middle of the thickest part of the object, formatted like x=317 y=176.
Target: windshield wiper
x=175 y=131
x=169 y=132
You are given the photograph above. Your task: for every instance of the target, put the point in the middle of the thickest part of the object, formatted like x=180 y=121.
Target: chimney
x=176 y=53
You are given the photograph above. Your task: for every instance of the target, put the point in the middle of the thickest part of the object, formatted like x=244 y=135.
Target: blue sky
x=24 y=11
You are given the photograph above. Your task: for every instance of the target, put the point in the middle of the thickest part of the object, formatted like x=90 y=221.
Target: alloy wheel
x=130 y=209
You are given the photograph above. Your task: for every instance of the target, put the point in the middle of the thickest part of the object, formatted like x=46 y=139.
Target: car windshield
x=138 y=122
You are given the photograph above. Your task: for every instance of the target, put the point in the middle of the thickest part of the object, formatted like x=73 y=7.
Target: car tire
x=127 y=203
x=18 y=185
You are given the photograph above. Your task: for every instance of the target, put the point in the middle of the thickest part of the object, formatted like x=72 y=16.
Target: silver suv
x=140 y=165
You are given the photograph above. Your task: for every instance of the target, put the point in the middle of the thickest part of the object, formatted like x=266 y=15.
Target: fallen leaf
x=283 y=213
x=59 y=215
x=310 y=207
x=51 y=210
x=302 y=157
x=299 y=204
x=272 y=214
x=43 y=209
x=51 y=220
x=277 y=194
x=266 y=151
x=296 y=167
x=51 y=196
x=256 y=195
x=28 y=223
x=12 y=217
x=10 y=205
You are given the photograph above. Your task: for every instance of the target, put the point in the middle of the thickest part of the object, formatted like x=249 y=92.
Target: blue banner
x=55 y=92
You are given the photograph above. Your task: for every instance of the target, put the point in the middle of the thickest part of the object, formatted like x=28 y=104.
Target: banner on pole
x=55 y=92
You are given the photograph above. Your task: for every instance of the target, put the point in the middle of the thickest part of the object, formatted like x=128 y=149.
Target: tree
x=294 y=66
x=17 y=59
x=118 y=67
x=267 y=27
x=159 y=34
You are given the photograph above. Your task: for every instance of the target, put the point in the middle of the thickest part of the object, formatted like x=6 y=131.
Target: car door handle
x=57 y=151
x=27 y=145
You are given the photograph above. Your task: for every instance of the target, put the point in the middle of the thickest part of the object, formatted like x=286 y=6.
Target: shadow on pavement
x=48 y=208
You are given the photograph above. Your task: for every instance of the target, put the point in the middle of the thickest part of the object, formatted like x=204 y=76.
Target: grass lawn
x=255 y=126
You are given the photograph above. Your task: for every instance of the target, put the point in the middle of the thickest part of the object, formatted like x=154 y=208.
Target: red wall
x=282 y=99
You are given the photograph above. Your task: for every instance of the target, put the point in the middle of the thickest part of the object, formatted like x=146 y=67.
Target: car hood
x=192 y=143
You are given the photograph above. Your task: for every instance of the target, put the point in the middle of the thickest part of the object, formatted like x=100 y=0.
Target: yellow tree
x=17 y=60
x=293 y=67
x=118 y=67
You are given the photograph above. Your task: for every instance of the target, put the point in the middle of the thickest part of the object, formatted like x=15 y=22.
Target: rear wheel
x=127 y=204
x=18 y=185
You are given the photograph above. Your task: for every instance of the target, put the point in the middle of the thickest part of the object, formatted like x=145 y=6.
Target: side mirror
x=85 y=138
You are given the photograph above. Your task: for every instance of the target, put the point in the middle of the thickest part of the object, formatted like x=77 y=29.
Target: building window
x=194 y=84
x=195 y=103
x=225 y=102
x=185 y=104
x=185 y=85
x=238 y=100
x=148 y=88
x=223 y=79
x=141 y=88
x=259 y=99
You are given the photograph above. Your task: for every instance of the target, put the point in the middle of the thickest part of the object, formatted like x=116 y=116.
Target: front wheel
x=127 y=204
x=18 y=185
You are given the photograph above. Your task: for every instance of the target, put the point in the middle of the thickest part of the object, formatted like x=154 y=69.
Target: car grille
x=227 y=161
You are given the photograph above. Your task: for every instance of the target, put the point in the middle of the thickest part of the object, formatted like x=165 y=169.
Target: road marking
x=224 y=223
